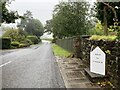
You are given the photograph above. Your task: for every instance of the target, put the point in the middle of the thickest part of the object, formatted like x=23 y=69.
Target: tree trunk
x=105 y=22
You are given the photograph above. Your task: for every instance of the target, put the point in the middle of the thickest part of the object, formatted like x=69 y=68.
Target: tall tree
x=7 y=16
x=27 y=17
x=48 y=26
x=34 y=27
x=70 y=19
x=107 y=13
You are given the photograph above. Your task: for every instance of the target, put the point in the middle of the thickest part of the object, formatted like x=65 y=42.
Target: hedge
x=5 y=43
x=15 y=44
x=23 y=45
x=34 y=39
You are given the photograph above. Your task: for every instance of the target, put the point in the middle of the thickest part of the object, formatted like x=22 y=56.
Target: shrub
x=28 y=42
x=108 y=38
x=5 y=43
x=34 y=39
x=13 y=33
x=15 y=44
x=97 y=30
x=23 y=45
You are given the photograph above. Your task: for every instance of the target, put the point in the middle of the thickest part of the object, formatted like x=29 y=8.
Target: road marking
x=5 y=64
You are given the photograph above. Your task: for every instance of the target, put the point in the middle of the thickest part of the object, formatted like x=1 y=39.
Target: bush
x=108 y=38
x=15 y=34
x=15 y=44
x=12 y=33
x=34 y=39
x=97 y=30
x=28 y=42
x=23 y=45
x=5 y=43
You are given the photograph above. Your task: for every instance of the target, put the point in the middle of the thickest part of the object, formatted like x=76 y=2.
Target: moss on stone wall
x=112 y=50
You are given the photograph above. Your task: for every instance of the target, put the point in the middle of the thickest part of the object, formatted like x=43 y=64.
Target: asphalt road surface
x=33 y=67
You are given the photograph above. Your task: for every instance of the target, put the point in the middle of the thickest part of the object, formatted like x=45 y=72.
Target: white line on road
x=5 y=64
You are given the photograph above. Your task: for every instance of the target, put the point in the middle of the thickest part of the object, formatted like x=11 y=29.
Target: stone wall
x=112 y=50
x=82 y=47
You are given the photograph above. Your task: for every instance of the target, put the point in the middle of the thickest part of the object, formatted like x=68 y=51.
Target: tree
x=70 y=19
x=27 y=17
x=34 y=27
x=48 y=26
x=107 y=13
x=7 y=16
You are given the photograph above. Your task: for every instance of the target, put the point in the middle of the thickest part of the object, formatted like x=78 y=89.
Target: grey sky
x=41 y=10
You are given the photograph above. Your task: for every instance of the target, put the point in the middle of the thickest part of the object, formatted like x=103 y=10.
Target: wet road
x=33 y=67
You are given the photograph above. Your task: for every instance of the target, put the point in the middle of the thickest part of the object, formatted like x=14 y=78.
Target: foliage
x=7 y=16
x=105 y=84
x=22 y=45
x=19 y=38
x=15 y=34
x=48 y=26
x=70 y=19
x=34 y=39
x=5 y=43
x=26 y=41
x=15 y=44
x=110 y=15
x=30 y=25
x=34 y=27
x=27 y=17
x=97 y=30
x=58 y=51
x=108 y=38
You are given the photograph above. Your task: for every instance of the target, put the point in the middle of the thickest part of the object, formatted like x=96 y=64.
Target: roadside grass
x=58 y=51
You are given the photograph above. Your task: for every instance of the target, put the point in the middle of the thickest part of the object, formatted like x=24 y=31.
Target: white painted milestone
x=97 y=61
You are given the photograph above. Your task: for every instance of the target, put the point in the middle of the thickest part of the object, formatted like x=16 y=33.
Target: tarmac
x=72 y=71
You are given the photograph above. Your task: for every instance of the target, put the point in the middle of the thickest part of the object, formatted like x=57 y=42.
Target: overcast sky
x=41 y=9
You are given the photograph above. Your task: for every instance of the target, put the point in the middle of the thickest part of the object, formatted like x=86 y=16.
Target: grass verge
x=58 y=51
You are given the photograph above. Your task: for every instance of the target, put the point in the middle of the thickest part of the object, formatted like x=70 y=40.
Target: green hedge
x=28 y=42
x=23 y=45
x=15 y=44
x=5 y=43
x=34 y=39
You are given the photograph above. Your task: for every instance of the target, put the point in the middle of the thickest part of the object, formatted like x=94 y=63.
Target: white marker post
x=97 y=61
